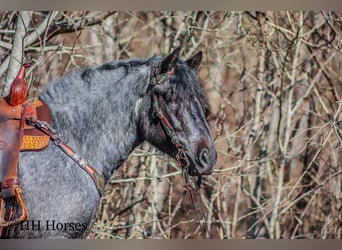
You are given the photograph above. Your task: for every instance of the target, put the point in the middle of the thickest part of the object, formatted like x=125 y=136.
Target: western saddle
x=17 y=134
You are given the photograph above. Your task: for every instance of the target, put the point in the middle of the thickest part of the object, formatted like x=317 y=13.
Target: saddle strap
x=97 y=178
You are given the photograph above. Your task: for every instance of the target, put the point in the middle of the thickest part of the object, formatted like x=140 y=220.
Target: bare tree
x=273 y=86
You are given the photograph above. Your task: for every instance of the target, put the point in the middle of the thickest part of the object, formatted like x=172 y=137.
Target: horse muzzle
x=204 y=162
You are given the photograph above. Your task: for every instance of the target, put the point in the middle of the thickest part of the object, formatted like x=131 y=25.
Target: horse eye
x=206 y=110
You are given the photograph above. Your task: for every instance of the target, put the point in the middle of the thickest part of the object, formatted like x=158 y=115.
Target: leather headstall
x=158 y=79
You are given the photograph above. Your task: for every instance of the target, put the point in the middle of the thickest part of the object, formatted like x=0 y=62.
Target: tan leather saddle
x=26 y=126
x=16 y=135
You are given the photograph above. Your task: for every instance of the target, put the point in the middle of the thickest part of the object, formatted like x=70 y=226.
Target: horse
x=103 y=113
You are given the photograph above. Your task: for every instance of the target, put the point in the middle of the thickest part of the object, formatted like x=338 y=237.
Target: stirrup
x=24 y=214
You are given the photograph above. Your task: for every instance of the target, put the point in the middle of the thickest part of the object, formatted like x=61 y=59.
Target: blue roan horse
x=103 y=113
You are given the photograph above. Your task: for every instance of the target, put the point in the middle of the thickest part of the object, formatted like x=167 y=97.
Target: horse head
x=177 y=116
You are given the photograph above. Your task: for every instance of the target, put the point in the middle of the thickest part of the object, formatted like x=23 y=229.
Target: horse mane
x=82 y=78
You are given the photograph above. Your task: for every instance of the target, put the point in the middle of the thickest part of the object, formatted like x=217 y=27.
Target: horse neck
x=99 y=121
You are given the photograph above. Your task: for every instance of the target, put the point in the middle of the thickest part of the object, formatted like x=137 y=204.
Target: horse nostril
x=204 y=158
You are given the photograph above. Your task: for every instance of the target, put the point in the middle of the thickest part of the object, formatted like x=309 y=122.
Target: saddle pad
x=34 y=139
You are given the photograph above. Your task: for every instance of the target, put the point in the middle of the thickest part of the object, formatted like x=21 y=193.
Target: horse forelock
x=185 y=85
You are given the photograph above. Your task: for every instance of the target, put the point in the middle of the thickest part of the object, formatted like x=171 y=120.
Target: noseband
x=181 y=157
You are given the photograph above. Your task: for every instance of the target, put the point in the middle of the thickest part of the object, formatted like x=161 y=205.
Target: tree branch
x=45 y=31
x=23 y=20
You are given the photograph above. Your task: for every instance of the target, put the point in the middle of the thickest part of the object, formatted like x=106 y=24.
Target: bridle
x=158 y=80
x=181 y=157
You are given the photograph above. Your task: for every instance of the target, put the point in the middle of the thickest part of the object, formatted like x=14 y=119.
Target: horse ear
x=195 y=61
x=170 y=61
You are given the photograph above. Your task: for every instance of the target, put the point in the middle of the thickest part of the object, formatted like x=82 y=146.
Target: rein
x=181 y=157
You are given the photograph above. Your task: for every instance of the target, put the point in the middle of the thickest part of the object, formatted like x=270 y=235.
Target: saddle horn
x=19 y=87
